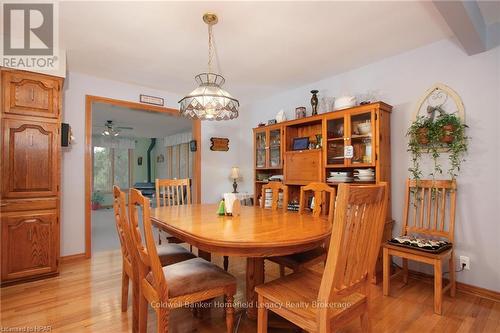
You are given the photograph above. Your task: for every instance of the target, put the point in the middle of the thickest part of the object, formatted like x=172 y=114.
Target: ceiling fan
x=110 y=129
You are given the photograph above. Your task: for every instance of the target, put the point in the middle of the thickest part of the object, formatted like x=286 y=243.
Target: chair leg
x=226 y=263
x=438 y=286
x=159 y=237
x=125 y=283
x=229 y=313
x=261 y=316
x=143 y=314
x=282 y=270
x=405 y=270
x=453 y=282
x=386 y=271
x=162 y=319
x=366 y=325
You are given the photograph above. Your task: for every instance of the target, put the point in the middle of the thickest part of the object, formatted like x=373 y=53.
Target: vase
x=314 y=102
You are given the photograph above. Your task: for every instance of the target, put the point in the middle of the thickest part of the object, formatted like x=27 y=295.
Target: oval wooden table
x=255 y=234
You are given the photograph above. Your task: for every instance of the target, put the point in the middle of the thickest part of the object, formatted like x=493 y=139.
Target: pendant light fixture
x=209 y=101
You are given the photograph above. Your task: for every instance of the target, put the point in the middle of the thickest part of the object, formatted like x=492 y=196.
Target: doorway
x=130 y=149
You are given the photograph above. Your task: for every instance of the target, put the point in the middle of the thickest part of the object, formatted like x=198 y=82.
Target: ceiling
x=262 y=47
x=145 y=124
x=490 y=11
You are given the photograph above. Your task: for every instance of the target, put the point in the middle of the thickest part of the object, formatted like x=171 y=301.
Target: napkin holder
x=232 y=204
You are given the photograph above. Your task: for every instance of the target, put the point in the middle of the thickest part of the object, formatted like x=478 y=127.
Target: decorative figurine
x=314 y=102
x=318 y=140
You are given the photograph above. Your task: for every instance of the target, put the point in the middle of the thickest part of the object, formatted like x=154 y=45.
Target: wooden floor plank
x=86 y=298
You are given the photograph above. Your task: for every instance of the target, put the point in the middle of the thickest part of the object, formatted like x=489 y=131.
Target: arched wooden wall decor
x=443 y=97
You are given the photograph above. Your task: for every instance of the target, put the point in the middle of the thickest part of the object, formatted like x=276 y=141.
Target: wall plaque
x=219 y=144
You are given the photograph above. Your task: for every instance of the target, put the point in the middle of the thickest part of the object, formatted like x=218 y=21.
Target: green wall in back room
x=141 y=150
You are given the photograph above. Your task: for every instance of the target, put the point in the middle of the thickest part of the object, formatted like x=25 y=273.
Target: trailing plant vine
x=445 y=134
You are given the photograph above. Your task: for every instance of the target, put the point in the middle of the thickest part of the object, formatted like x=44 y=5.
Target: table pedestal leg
x=205 y=255
x=255 y=276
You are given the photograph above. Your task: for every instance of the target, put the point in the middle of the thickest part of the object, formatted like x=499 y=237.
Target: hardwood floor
x=86 y=298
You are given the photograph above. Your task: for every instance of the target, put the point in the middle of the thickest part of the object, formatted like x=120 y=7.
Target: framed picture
x=300 y=112
x=300 y=143
x=153 y=100
x=192 y=145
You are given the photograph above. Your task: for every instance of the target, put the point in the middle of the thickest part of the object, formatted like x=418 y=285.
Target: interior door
x=31 y=94
x=30 y=161
x=28 y=244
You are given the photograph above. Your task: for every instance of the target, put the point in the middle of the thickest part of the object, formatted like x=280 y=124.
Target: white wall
x=215 y=165
x=400 y=81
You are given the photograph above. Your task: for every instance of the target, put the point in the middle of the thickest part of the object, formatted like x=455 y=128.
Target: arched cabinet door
x=31 y=94
x=29 y=244
x=30 y=161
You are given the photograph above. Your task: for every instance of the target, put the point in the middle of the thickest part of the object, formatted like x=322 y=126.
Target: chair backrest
x=275 y=188
x=148 y=259
x=320 y=191
x=430 y=208
x=355 y=243
x=173 y=192
x=122 y=224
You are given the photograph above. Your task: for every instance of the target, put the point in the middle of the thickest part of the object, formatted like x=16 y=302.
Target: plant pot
x=447 y=131
x=96 y=206
x=423 y=136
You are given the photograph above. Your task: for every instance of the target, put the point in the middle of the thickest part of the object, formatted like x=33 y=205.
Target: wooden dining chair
x=169 y=253
x=275 y=188
x=172 y=192
x=429 y=212
x=324 y=303
x=181 y=284
x=299 y=261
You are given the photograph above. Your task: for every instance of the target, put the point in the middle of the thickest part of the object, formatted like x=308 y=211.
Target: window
x=111 y=166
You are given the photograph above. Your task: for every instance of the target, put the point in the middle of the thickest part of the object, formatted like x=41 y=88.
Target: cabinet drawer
x=31 y=94
x=303 y=167
x=19 y=205
x=30 y=243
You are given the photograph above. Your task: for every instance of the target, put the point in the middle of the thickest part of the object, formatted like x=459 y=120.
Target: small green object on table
x=222 y=208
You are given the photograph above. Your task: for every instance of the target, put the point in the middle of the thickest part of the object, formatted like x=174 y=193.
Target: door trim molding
x=89 y=100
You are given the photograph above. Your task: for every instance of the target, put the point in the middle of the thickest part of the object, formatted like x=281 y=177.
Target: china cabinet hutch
x=30 y=164
x=339 y=141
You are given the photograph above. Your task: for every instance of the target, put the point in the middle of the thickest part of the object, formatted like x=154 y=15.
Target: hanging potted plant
x=417 y=136
x=97 y=199
x=418 y=132
x=451 y=133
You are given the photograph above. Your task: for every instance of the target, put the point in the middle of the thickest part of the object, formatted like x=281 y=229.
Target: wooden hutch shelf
x=366 y=128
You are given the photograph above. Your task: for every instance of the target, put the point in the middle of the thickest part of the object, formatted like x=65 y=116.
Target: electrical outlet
x=464 y=261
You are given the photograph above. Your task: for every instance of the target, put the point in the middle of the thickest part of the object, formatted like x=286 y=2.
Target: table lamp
x=235 y=174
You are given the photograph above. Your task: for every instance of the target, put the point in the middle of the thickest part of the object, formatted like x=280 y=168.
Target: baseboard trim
x=73 y=257
x=462 y=287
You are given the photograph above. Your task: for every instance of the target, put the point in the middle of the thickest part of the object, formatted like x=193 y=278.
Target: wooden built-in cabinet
x=30 y=164
x=31 y=94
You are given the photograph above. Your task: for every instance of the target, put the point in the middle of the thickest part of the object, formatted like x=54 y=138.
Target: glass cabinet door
x=275 y=148
x=361 y=138
x=335 y=141
x=260 y=149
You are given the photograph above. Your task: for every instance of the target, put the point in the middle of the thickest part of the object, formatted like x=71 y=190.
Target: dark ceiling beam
x=466 y=22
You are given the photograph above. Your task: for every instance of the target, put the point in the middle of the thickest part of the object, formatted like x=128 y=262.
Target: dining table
x=255 y=233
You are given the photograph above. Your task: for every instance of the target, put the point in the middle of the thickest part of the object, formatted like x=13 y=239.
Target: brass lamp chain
x=210 y=48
